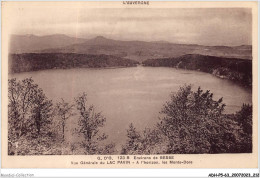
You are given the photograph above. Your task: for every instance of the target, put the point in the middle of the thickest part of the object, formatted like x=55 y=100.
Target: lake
x=134 y=94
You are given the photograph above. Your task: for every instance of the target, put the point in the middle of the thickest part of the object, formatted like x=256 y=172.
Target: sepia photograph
x=126 y=80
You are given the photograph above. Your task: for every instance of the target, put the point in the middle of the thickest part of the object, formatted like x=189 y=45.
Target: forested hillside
x=40 y=61
x=238 y=70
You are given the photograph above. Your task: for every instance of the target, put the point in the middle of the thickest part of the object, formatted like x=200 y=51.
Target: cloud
x=208 y=26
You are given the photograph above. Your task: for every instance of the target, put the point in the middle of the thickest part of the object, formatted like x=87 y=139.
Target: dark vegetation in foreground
x=36 y=126
x=40 y=61
x=191 y=122
x=237 y=70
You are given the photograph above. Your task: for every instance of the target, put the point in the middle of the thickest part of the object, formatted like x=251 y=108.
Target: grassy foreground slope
x=41 y=61
x=237 y=70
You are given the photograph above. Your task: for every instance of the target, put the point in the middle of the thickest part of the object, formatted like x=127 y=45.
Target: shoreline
x=217 y=76
x=140 y=65
x=91 y=68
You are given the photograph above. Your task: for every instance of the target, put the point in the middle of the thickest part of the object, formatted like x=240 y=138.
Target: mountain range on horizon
x=135 y=50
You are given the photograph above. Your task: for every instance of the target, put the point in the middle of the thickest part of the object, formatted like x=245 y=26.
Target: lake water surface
x=135 y=94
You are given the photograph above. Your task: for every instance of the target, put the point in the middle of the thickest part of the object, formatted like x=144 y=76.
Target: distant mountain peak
x=100 y=38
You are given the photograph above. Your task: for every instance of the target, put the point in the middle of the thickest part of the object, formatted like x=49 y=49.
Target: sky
x=205 y=26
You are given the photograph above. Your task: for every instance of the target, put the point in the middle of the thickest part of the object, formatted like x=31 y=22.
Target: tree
x=29 y=114
x=194 y=122
x=133 y=141
x=244 y=118
x=191 y=123
x=89 y=124
x=21 y=97
x=64 y=111
x=41 y=113
x=147 y=142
